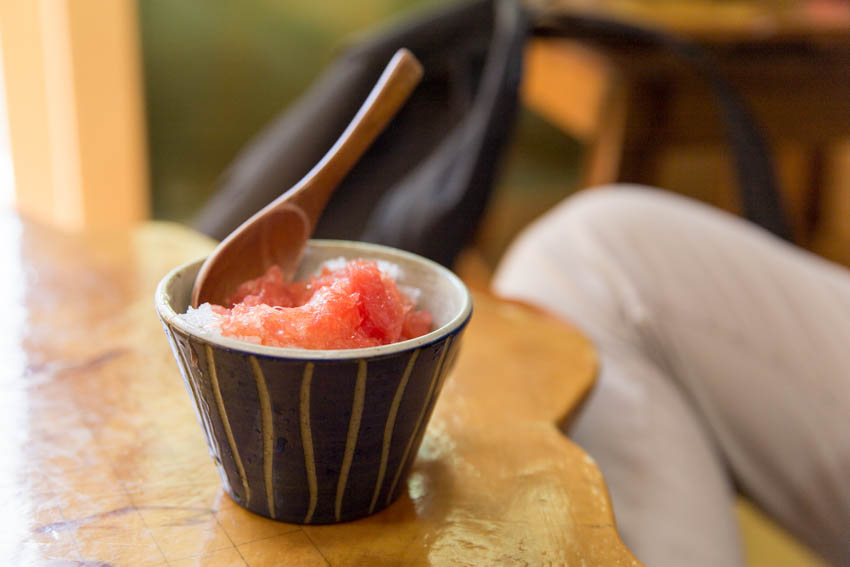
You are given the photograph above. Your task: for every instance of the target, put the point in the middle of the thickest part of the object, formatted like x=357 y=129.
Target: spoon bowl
x=278 y=233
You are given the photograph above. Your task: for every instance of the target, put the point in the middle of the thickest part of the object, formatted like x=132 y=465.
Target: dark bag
x=425 y=183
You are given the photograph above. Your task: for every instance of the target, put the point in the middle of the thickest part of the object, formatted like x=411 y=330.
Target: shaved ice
x=348 y=304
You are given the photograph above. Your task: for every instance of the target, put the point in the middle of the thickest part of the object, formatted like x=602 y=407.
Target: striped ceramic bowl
x=318 y=436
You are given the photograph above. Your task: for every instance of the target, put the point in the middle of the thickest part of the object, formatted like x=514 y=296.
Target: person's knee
x=592 y=227
x=576 y=261
x=616 y=209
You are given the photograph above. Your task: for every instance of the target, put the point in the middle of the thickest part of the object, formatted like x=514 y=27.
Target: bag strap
x=758 y=186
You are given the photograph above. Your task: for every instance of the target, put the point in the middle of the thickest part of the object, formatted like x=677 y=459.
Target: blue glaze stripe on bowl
x=307 y=441
x=188 y=363
x=353 y=432
x=390 y=425
x=267 y=427
x=189 y=382
x=226 y=422
x=452 y=348
x=419 y=420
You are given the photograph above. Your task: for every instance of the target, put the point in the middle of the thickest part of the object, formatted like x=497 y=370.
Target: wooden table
x=102 y=461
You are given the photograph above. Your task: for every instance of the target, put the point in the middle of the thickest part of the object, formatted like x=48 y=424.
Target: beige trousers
x=725 y=366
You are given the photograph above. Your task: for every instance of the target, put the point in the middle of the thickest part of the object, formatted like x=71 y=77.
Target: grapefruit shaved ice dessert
x=348 y=304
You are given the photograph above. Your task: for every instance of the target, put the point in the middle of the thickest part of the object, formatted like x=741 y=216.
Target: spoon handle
x=393 y=88
x=277 y=233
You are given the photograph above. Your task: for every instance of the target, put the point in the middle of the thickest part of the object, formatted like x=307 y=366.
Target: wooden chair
x=646 y=119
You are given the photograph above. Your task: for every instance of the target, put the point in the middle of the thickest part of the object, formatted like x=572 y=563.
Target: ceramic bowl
x=318 y=436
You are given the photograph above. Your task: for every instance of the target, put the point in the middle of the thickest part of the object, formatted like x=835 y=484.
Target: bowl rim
x=170 y=317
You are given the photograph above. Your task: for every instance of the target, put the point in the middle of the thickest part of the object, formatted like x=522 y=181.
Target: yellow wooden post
x=74 y=101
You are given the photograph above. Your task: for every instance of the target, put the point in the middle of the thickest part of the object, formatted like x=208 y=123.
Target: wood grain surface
x=103 y=462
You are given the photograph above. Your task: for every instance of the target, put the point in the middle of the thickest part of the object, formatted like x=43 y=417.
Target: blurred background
x=216 y=72
x=127 y=110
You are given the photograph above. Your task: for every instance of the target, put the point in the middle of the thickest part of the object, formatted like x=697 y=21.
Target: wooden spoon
x=278 y=232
